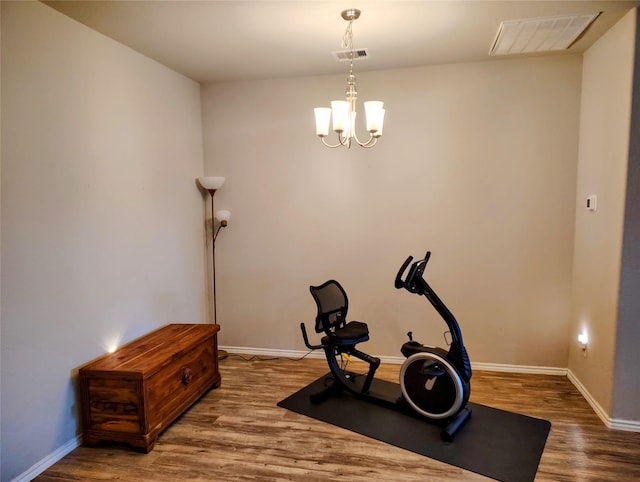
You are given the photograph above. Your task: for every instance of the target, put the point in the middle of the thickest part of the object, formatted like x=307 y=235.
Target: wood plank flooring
x=237 y=433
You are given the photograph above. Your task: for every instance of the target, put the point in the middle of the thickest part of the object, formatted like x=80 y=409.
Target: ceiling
x=215 y=41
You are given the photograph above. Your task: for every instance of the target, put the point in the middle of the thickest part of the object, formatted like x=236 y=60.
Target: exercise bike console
x=434 y=382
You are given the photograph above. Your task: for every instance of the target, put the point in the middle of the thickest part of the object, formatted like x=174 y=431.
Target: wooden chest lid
x=146 y=355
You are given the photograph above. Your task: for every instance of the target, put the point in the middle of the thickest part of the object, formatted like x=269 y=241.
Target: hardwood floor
x=237 y=433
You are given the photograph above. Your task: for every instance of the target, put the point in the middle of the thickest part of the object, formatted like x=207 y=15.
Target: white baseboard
x=396 y=360
x=272 y=353
x=614 y=423
x=49 y=460
x=626 y=425
x=532 y=369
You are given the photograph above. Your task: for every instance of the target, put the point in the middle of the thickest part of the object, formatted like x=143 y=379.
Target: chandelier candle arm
x=343 y=112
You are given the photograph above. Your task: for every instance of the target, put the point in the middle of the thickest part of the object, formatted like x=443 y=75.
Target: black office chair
x=341 y=336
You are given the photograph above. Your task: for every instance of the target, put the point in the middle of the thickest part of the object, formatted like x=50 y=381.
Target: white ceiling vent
x=342 y=55
x=543 y=34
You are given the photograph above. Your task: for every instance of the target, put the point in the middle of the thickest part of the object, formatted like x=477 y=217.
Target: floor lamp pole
x=222 y=354
x=211 y=184
x=213 y=257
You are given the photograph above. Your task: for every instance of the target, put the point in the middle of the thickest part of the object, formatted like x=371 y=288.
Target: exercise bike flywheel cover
x=436 y=399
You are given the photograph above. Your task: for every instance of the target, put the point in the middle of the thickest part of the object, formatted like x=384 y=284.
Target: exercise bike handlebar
x=399 y=283
x=410 y=283
x=303 y=328
x=416 y=284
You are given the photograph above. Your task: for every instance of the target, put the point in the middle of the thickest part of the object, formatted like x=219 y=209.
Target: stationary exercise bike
x=434 y=383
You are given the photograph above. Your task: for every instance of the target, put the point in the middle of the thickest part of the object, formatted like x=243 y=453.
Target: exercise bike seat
x=332 y=303
x=352 y=333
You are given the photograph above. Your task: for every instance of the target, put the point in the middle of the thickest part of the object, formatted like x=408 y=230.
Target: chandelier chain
x=347 y=38
x=347 y=43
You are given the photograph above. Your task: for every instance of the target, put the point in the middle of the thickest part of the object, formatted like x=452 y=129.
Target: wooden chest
x=133 y=394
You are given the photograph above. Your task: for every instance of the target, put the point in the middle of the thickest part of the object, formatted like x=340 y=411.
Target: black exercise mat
x=502 y=445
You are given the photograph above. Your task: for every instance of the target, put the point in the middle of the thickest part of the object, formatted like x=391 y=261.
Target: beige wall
x=477 y=164
x=102 y=224
x=602 y=169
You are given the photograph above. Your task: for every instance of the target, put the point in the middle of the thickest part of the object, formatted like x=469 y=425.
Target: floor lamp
x=212 y=184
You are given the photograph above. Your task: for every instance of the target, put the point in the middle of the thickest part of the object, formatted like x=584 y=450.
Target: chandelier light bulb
x=375 y=115
x=323 y=117
x=340 y=111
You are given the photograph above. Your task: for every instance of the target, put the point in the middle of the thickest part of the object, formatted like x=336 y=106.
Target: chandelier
x=344 y=111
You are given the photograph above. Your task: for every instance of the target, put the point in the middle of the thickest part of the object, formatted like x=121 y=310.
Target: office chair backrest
x=332 y=303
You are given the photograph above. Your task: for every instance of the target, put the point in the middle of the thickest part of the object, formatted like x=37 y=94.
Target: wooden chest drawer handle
x=187 y=375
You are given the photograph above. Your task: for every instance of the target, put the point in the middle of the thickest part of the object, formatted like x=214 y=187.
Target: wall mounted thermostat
x=592 y=202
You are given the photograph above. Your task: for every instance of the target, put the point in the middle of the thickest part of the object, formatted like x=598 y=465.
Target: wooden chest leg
x=144 y=447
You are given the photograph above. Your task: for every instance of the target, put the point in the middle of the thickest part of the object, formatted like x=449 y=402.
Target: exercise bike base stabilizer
x=434 y=383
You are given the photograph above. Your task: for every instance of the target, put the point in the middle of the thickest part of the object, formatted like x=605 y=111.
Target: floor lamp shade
x=223 y=216
x=211 y=183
